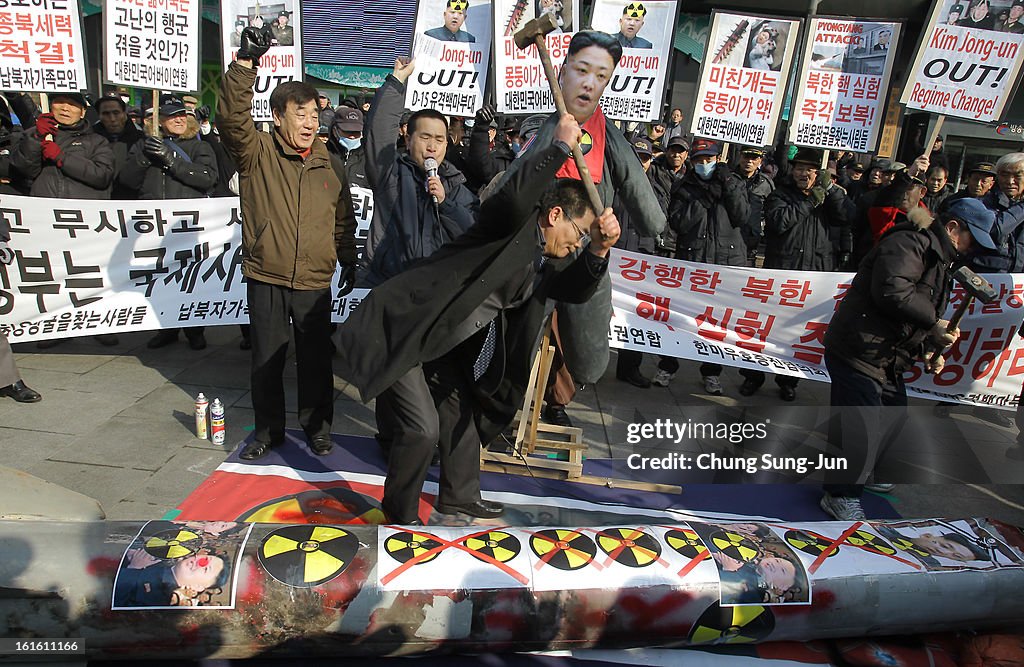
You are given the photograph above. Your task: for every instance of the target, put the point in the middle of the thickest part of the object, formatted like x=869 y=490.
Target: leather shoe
x=787 y=394
x=749 y=387
x=21 y=392
x=635 y=378
x=483 y=509
x=197 y=341
x=321 y=445
x=256 y=449
x=162 y=338
x=556 y=415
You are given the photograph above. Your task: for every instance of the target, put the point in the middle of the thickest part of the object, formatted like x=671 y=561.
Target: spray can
x=201 y=406
x=217 y=422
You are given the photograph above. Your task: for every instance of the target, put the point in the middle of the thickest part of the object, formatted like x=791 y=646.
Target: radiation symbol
x=174 y=543
x=563 y=549
x=685 y=542
x=815 y=546
x=629 y=546
x=735 y=546
x=307 y=556
x=403 y=547
x=495 y=545
x=867 y=540
x=732 y=625
x=907 y=545
x=586 y=141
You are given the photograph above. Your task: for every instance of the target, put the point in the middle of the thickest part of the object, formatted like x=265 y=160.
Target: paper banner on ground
x=282 y=62
x=152 y=45
x=968 y=60
x=944 y=545
x=844 y=75
x=743 y=78
x=644 y=29
x=452 y=45
x=520 y=84
x=42 y=47
x=775 y=322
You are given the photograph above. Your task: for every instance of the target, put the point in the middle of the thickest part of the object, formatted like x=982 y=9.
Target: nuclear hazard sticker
x=836 y=550
x=732 y=625
x=308 y=555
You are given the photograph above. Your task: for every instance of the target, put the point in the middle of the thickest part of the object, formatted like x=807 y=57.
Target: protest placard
x=152 y=44
x=743 y=78
x=845 y=74
x=41 y=47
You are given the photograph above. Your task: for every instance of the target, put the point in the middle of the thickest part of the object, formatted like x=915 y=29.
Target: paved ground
x=116 y=424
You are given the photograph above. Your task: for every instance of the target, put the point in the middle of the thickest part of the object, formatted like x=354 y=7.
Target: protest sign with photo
x=452 y=45
x=282 y=62
x=520 y=84
x=152 y=44
x=743 y=78
x=42 y=48
x=969 y=59
x=845 y=75
x=645 y=32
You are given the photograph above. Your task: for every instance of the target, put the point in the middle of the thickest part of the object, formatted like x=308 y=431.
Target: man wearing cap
x=630 y=23
x=115 y=126
x=284 y=33
x=326 y=111
x=889 y=319
x=708 y=211
x=454 y=17
x=758 y=187
x=955 y=13
x=978 y=16
x=1014 y=15
x=297 y=225
x=981 y=177
x=852 y=173
x=62 y=155
x=489 y=152
x=937 y=188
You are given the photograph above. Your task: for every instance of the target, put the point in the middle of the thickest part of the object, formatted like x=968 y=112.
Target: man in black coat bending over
x=446 y=346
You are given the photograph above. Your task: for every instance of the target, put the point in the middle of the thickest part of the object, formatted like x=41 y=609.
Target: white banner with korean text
x=968 y=60
x=520 y=84
x=281 y=63
x=452 y=47
x=152 y=44
x=845 y=75
x=83 y=267
x=41 y=49
x=775 y=321
x=743 y=78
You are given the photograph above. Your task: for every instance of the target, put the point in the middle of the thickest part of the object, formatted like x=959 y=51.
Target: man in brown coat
x=297 y=224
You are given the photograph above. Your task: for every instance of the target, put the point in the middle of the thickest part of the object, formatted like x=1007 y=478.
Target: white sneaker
x=712 y=385
x=662 y=378
x=843 y=508
x=880 y=488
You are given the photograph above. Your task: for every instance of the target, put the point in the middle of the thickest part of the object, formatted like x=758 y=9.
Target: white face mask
x=350 y=144
x=705 y=170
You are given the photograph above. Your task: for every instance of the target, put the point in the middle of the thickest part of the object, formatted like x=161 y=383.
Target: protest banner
x=42 y=47
x=968 y=60
x=644 y=30
x=152 y=44
x=743 y=78
x=452 y=45
x=281 y=63
x=775 y=321
x=520 y=84
x=845 y=75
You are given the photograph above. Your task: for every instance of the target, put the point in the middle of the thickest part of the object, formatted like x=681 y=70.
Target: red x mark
x=444 y=544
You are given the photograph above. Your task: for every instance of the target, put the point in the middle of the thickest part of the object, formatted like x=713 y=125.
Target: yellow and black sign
x=563 y=549
x=497 y=545
x=171 y=544
x=732 y=625
x=735 y=546
x=866 y=540
x=307 y=556
x=629 y=546
x=687 y=543
x=403 y=547
x=586 y=141
x=809 y=544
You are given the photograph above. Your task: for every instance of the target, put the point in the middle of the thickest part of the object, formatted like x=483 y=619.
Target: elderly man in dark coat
x=446 y=346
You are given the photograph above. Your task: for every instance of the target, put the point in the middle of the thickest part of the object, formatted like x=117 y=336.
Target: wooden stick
x=156 y=112
x=933 y=135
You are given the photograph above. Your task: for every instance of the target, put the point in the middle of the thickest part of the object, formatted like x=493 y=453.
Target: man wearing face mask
x=708 y=212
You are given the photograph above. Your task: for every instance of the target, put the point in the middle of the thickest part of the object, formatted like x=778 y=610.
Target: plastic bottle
x=217 y=422
x=201 y=408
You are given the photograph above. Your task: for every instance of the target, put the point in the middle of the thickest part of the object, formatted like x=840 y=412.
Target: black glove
x=347 y=279
x=486 y=114
x=253 y=44
x=159 y=153
x=722 y=173
x=203 y=113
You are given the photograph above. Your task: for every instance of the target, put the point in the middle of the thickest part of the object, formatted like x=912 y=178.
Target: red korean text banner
x=775 y=321
x=844 y=75
x=152 y=44
x=41 y=47
x=968 y=60
x=743 y=78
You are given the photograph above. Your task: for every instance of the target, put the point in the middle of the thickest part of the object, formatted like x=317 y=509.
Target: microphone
x=430 y=165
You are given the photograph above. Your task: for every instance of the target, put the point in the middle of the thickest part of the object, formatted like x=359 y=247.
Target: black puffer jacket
x=900 y=291
x=483 y=163
x=796 y=232
x=120 y=144
x=758 y=187
x=708 y=218
x=187 y=178
x=87 y=171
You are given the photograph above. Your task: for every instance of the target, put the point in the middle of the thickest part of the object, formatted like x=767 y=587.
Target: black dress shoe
x=787 y=394
x=197 y=341
x=555 y=414
x=321 y=445
x=256 y=449
x=21 y=392
x=483 y=509
x=635 y=378
x=749 y=387
x=162 y=338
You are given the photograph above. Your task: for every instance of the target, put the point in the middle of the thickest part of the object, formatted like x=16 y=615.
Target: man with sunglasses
x=447 y=345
